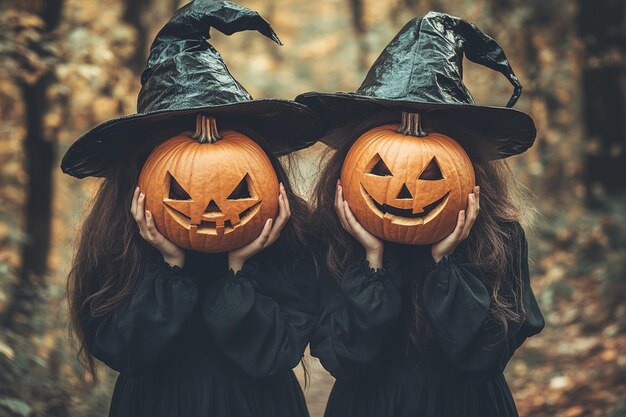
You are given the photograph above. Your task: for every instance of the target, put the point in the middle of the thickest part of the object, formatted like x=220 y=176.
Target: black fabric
x=421 y=71
x=362 y=340
x=183 y=70
x=185 y=76
x=202 y=341
x=424 y=62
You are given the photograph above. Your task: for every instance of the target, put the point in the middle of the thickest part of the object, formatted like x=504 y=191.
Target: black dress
x=362 y=340
x=204 y=342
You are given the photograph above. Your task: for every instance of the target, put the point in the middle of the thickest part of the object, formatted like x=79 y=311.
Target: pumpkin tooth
x=212 y=216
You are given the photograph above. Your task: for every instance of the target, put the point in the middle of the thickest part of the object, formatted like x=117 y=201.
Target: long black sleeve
x=141 y=331
x=357 y=314
x=457 y=302
x=262 y=316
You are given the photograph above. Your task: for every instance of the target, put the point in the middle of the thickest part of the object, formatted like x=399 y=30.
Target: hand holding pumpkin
x=373 y=246
x=464 y=224
x=172 y=254
x=269 y=234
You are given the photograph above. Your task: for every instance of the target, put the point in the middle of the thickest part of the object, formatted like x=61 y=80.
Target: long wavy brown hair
x=109 y=249
x=489 y=242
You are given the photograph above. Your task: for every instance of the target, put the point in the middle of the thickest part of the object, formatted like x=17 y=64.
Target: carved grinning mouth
x=408 y=213
x=210 y=226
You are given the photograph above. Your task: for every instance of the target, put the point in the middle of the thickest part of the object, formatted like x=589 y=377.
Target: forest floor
x=577 y=365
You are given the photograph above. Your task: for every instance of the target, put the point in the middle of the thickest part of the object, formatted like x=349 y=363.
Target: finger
x=151 y=227
x=281 y=221
x=283 y=212
x=139 y=209
x=349 y=216
x=344 y=222
x=339 y=206
x=476 y=204
x=471 y=208
x=342 y=212
x=342 y=218
x=470 y=216
x=136 y=207
x=259 y=243
x=140 y=217
x=286 y=200
x=265 y=233
x=353 y=223
x=133 y=203
x=460 y=223
x=286 y=206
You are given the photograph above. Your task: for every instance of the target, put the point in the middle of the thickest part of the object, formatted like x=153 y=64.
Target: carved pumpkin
x=207 y=192
x=404 y=185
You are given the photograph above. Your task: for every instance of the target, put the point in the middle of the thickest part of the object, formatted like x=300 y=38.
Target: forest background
x=67 y=65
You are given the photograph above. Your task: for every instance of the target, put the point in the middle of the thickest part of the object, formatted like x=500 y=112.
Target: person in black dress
x=425 y=330
x=192 y=334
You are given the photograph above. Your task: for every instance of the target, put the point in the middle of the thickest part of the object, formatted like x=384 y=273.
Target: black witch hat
x=186 y=76
x=421 y=71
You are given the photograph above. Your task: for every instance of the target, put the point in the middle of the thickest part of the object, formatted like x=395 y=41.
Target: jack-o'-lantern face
x=407 y=189
x=210 y=197
x=223 y=212
x=402 y=199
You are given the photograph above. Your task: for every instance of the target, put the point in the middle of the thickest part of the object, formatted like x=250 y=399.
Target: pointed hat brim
x=285 y=125
x=500 y=131
x=185 y=75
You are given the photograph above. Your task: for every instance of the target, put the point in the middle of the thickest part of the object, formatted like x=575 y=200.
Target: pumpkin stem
x=206 y=130
x=411 y=125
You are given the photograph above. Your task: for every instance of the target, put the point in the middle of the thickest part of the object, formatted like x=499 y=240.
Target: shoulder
x=511 y=227
x=513 y=233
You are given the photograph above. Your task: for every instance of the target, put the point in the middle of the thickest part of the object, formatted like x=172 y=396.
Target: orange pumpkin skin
x=401 y=207
x=210 y=221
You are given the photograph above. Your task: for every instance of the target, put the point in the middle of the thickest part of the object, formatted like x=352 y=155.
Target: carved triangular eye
x=242 y=190
x=381 y=169
x=432 y=172
x=177 y=192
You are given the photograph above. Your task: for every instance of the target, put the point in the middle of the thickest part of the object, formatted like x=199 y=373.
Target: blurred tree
x=146 y=16
x=39 y=153
x=358 y=26
x=601 y=25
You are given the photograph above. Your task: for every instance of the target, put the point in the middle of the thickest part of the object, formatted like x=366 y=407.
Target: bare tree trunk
x=39 y=152
x=146 y=16
x=135 y=10
x=602 y=27
x=358 y=26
